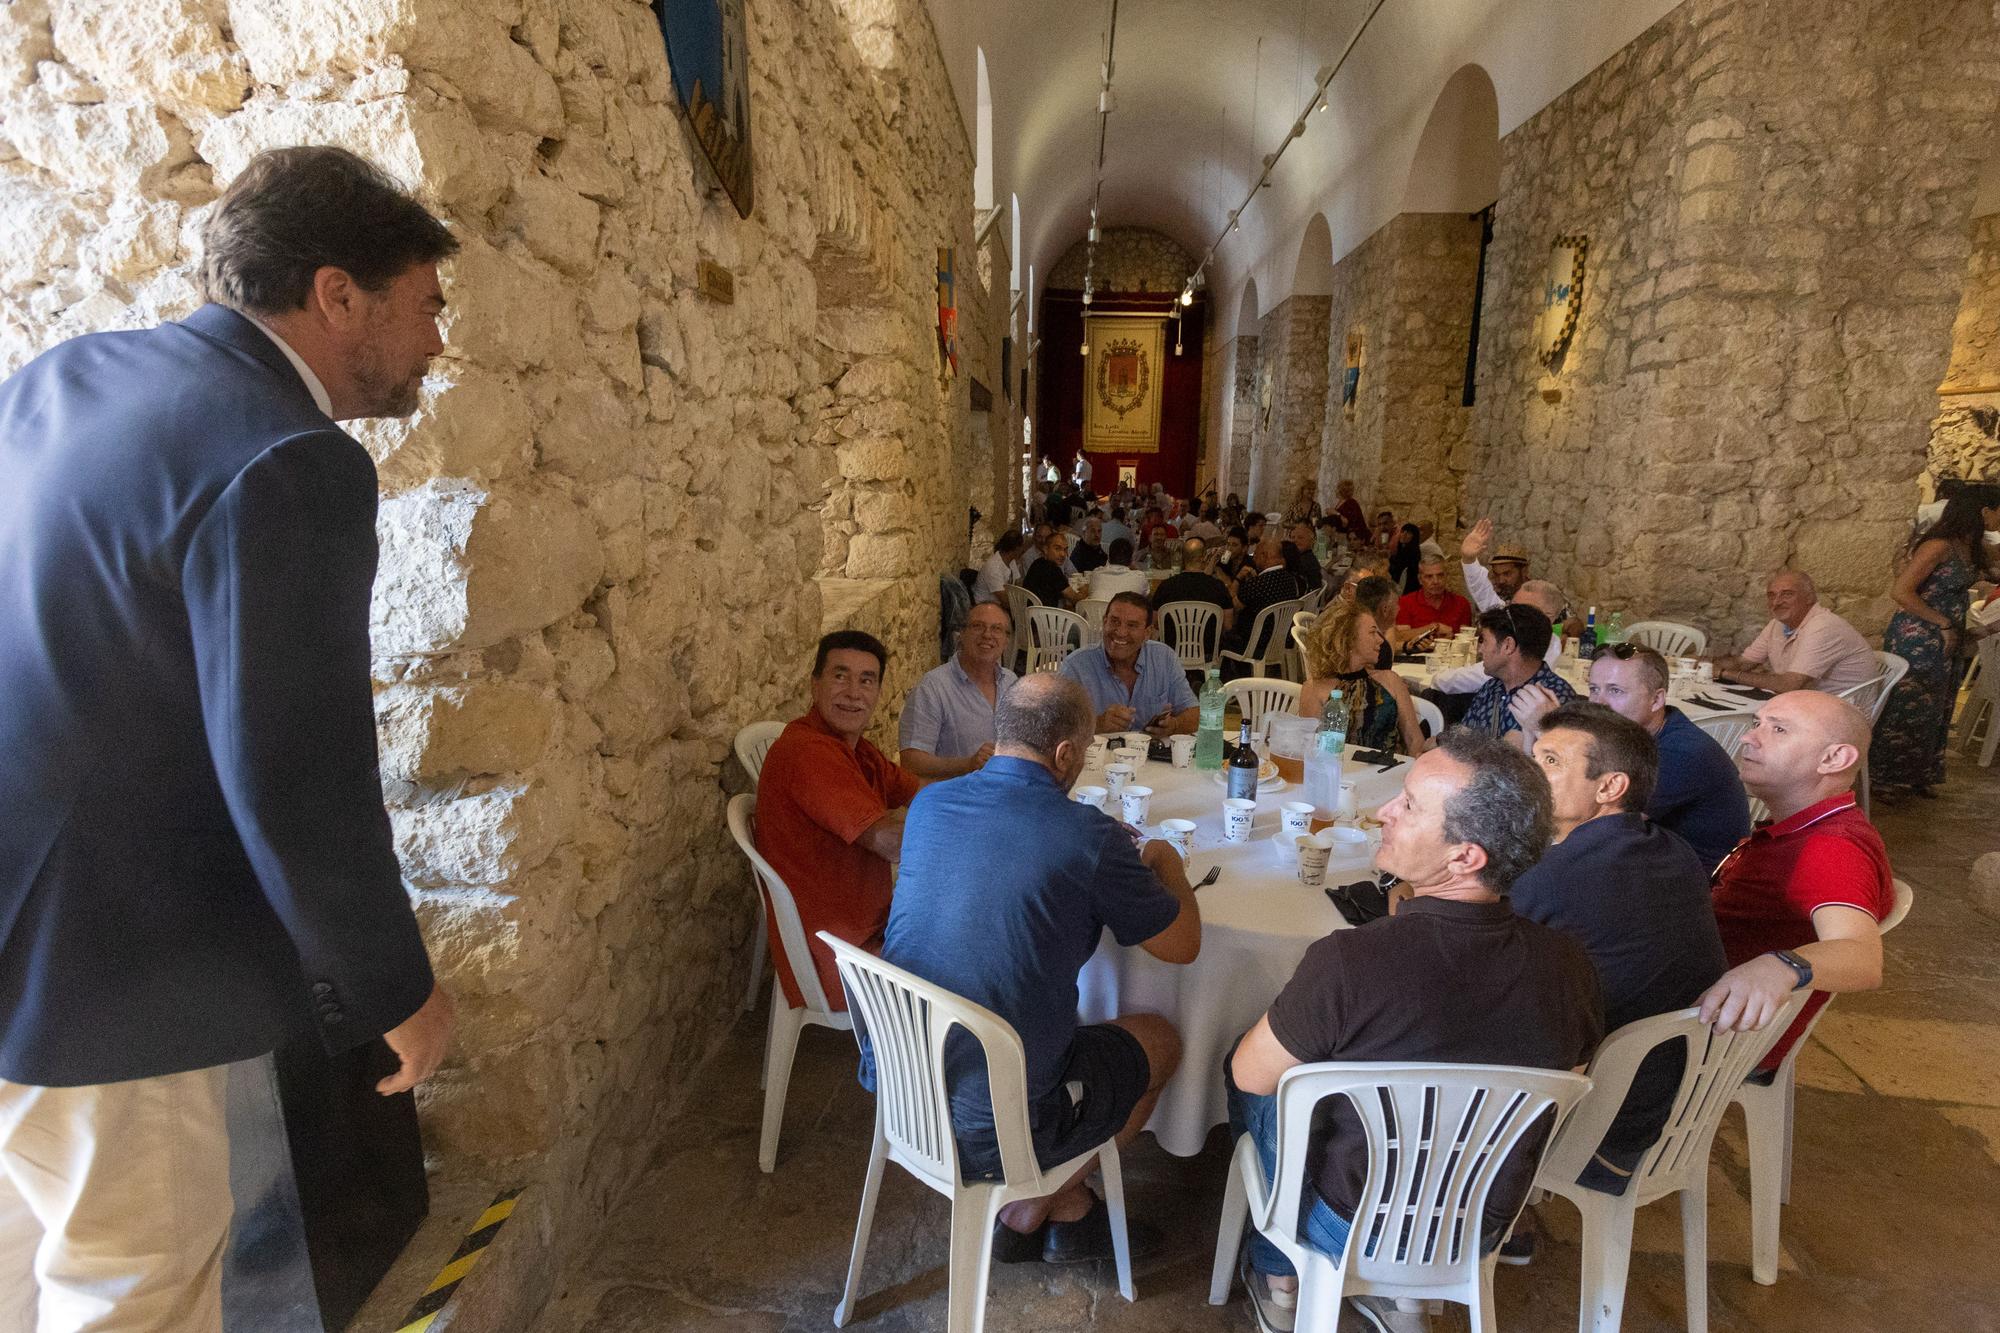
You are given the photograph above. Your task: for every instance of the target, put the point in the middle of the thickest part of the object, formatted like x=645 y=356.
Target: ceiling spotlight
x=1187 y=295
x=1085 y=349
x=1092 y=233
x=1106 y=103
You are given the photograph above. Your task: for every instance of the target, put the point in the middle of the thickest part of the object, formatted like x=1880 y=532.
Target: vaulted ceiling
x=1206 y=88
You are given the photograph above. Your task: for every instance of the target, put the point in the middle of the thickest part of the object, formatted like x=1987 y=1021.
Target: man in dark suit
x=193 y=850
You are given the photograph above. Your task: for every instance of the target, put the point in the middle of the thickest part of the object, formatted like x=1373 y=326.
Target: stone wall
x=1245 y=374
x=1285 y=439
x=1404 y=298
x=1965 y=437
x=1777 y=197
x=1129 y=259
x=624 y=511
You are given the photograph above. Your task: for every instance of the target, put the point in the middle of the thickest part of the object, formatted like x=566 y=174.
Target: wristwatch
x=1797 y=964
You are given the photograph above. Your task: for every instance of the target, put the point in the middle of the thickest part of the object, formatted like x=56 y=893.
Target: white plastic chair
x=781 y=1039
x=1871 y=697
x=1437 y=1136
x=1729 y=729
x=1668 y=638
x=1019 y=602
x=752 y=744
x=1267 y=629
x=1196 y=625
x=1256 y=696
x=1431 y=713
x=907 y=1020
x=1303 y=621
x=1092 y=611
x=1053 y=634
x=1676 y=1164
x=1982 y=703
x=1767 y=1126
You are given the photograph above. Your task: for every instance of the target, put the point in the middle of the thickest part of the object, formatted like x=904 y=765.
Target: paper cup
x=1346 y=807
x=1090 y=796
x=1179 y=834
x=1183 y=747
x=1094 y=756
x=1237 y=815
x=1133 y=802
x=1135 y=746
x=1119 y=776
x=1314 y=852
x=1295 y=818
x=1705 y=672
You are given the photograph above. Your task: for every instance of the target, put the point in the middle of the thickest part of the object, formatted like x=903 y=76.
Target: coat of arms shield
x=1562 y=298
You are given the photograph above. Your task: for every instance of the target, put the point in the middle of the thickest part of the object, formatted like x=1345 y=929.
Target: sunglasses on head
x=1624 y=652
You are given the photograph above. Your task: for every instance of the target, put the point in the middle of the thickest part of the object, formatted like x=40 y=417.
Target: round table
x=1256 y=922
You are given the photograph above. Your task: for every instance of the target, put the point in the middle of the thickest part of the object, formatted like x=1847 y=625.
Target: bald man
x=1801 y=901
x=1273 y=582
x=1804 y=646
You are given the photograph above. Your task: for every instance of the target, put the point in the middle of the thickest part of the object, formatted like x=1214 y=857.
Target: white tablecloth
x=1256 y=922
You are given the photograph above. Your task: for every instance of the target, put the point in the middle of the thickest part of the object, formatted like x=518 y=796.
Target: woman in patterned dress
x=1341 y=651
x=1934 y=591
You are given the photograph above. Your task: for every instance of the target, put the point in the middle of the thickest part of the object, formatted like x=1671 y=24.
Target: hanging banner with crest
x=1121 y=394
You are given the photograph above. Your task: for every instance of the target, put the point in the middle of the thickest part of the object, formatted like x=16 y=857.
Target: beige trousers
x=114 y=1205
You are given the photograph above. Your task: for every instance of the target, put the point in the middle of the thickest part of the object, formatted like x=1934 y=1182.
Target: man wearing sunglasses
x=1520 y=689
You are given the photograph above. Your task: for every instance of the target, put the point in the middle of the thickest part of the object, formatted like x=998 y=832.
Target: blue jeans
x=1324 y=1229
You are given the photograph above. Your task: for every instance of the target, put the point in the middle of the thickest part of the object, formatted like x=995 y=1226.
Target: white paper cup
x=1133 y=802
x=1314 y=852
x=1094 y=756
x=1572 y=646
x=1119 y=776
x=1346 y=806
x=1179 y=834
x=1237 y=815
x=1135 y=746
x=1090 y=796
x=1705 y=672
x=1295 y=818
x=1183 y=748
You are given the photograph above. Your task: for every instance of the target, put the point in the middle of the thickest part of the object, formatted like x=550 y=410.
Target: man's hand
x=1747 y=998
x=1475 y=541
x=977 y=759
x=1532 y=703
x=1158 y=853
x=1118 y=717
x=419 y=1041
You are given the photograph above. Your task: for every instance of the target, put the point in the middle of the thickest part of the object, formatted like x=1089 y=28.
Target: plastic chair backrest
x=1194 y=624
x=905 y=1022
x=1905 y=897
x=1437 y=1137
x=1871 y=695
x=791 y=931
x=1668 y=638
x=1256 y=696
x=1092 y=611
x=753 y=743
x=1053 y=634
x=1431 y=715
x=1266 y=642
x=1728 y=730
x=1019 y=602
x=1715 y=1067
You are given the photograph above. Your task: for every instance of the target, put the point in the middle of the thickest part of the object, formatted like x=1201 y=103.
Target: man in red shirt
x=830 y=811
x=1800 y=901
x=1433 y=607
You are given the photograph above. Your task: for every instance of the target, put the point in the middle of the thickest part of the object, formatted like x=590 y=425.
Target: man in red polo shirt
x=1433 y=607
x=830 y=810
x=1800 y=901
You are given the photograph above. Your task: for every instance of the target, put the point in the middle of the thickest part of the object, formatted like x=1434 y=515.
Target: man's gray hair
x=1041 y=712
x=1806 y=585
x=1544 y=596
x=1505 y=806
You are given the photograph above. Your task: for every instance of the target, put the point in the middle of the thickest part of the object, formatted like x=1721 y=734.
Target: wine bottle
x=1243 y=768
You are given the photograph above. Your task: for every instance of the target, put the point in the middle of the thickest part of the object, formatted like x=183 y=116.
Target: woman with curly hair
x=1341 y=650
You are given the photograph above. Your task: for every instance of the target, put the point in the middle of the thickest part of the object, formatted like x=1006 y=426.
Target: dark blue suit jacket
x=193 y=851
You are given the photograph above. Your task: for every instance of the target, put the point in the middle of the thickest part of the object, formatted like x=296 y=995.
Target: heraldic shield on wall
x=1562 y=298
x=710 y=60
x=1121 y=399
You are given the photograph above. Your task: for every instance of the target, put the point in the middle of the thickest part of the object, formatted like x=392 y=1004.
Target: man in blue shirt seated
x=1133 y=681
x=1519 y=688
x=947 y=723
x=1633 y=895
x=1006 y=886
x=1700 y=794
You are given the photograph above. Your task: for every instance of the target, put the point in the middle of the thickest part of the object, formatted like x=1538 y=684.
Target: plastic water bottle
x=1615 y=631
x=1208 y=736
x=1323 y=758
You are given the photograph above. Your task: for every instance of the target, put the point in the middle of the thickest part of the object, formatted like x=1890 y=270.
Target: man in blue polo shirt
x=1633 y=895
x=1006 y=887
x=1134 y=681
x=947 y=724
x=1700 y=794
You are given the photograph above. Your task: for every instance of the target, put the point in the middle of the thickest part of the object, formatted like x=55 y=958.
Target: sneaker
x=1387 y=1315
x=1275 y=1311
x=1089 y=1237
x=1018 y=1247
x=1519 y=1248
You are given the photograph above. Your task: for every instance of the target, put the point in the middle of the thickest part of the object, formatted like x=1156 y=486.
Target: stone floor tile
x=1981 y=1120
x=1820 y=1068
x=1959 y=1062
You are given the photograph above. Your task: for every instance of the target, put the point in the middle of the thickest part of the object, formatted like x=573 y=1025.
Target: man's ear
x=1467 y=858
x=1839 y=757
x=1611 y=788
x=336 y=297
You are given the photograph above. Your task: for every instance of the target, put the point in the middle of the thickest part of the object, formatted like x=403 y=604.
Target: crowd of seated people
x=1561 y=867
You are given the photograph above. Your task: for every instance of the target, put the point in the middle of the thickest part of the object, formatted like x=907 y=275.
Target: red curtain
x=1059 y=397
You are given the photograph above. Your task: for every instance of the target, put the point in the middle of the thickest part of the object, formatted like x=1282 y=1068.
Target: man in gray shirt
x=947 y=723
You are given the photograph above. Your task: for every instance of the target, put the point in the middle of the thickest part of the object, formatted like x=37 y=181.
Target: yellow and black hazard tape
x=428 y=1306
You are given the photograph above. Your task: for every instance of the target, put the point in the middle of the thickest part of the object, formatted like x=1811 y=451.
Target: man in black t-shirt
x=1045 y=577
x=1273 y=582
x=1453 y=976
x=1193 y=584
x=1089 y=552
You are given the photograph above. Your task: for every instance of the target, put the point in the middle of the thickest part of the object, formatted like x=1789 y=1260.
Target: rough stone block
x=555 y=223
x=119 y=147
x=486 y=839
x=506 y=312
x=470 y=426
x=429 y=735
x=170 y=51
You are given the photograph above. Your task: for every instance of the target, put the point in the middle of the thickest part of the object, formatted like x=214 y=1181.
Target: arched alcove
x=982 y=141
x=1247 y=313
x=1313 y=275
x=1456 y=168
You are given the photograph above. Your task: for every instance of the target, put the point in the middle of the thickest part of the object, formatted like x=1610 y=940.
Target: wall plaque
x=715 y=282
